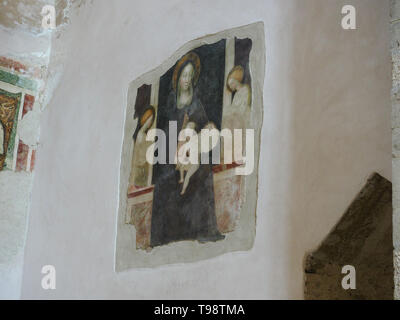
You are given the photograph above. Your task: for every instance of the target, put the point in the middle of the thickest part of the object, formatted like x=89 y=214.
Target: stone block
x=396 y=259
x=396 y=142
x=395 y=114
x=396 y=182
x=394 y=10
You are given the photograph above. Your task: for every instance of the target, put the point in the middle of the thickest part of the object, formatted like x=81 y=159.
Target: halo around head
x=192 y=58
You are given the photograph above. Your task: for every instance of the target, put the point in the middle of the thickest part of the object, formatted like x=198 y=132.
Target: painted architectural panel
x=16 y=101
x=9 y=110
x=190 y=154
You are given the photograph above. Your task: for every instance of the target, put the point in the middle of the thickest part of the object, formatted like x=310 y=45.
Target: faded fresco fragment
x=16 y=100
x=208 y=86
x=9 y=108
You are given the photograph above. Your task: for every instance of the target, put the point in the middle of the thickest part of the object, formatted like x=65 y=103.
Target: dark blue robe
x=191 y=216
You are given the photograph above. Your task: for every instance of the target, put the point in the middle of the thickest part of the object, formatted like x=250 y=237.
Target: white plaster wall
x=15 y=188
x=326 y=129
x=22 y=46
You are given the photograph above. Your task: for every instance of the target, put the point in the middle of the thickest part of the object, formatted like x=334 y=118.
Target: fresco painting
x=9 y=108
x=173 y=203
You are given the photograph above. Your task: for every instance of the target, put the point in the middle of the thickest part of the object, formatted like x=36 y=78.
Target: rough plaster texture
x=396 y=276
x=395 y=46
x=363 y=239
x=25 y=15
x=326 y=127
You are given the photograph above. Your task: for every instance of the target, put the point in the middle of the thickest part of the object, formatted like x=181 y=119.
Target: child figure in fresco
x=189 y=168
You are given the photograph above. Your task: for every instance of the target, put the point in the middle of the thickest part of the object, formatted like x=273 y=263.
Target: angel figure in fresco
x=237 y=114
x=140 y=167
x=183 y=206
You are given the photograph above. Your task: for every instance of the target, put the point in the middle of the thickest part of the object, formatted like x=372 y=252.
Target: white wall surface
x=326 y=129
x=15 y=190
x=15 y=187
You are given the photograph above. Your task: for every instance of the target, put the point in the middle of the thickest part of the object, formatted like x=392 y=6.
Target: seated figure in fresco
x=140 y=167
x=236 y=115
x=185 y=212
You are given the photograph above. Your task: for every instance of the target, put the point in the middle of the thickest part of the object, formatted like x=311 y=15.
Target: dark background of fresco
x=210 y=86
x=209 y=89
x=242 y=55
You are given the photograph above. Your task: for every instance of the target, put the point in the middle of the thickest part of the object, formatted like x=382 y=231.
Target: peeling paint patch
x=28 y=128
